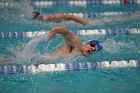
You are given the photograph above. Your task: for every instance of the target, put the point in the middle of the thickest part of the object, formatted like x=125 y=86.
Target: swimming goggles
x=94 y=45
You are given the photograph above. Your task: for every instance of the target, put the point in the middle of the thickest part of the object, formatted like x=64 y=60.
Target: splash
x=16 y=12
x=29 y=55
x=112 y=46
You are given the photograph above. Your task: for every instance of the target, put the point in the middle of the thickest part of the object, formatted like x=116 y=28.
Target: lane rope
x=13 y=69
x=82 y=3
x=31 y=34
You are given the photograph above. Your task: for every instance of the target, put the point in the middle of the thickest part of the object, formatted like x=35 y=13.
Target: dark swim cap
x=100 y=47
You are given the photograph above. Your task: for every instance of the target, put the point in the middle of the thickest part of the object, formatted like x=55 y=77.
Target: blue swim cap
x=100 y=47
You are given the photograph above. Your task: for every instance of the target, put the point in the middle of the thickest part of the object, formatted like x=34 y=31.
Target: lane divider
x=13 y=69
x=31 y=34
x=98 y=14
x=82 y=3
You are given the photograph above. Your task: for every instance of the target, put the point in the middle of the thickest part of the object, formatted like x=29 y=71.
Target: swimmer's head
x=97 y=43
x=92 y=47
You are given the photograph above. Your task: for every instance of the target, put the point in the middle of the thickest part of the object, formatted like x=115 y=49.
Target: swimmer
x=74 y=44
x=60 y=17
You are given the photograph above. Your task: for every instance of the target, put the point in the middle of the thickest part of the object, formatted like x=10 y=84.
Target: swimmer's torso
x=71 y=49
x=66 y=51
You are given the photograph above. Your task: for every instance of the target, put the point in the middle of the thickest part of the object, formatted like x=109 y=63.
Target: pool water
x=116 y=48
x=111 y=80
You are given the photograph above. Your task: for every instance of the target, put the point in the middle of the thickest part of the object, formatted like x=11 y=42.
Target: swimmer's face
x=89 y=49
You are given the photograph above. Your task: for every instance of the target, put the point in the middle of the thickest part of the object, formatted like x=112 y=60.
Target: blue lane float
x=84 y=2
x=81 y=3
x=31 y=34
x=13 y=69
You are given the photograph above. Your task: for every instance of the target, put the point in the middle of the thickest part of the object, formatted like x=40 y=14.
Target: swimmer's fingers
x=50 y=35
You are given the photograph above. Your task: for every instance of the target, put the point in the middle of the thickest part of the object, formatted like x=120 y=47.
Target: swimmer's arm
x=58 y=54
x=64 y=17
x=69 y=37
x=78 y=19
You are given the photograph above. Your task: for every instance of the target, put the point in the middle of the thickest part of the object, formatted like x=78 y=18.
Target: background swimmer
x=60 y=17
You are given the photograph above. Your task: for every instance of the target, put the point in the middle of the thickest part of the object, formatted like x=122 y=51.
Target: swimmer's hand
x=51 y=34
x=35 y=15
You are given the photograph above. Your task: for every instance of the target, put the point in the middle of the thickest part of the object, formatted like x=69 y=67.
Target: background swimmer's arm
x=78 y=19
x=63 y=17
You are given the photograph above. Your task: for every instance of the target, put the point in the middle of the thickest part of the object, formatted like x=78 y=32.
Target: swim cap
x=100 y=47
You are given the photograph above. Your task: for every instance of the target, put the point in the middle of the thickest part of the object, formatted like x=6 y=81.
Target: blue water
x=116 y=47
